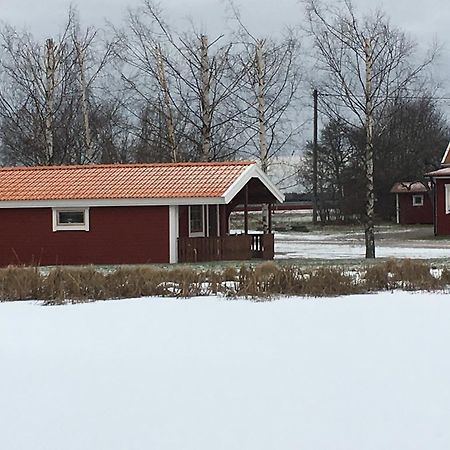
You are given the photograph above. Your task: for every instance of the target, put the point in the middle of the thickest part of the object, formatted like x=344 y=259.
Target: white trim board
x=85 y=203
x=445 y=156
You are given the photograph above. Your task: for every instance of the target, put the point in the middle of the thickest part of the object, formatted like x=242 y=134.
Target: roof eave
x=83 y=203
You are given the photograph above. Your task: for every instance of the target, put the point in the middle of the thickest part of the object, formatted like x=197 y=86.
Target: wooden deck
x=227 y=248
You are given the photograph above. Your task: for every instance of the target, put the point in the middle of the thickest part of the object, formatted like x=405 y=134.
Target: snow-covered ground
x=347 y=245
x=365 y=372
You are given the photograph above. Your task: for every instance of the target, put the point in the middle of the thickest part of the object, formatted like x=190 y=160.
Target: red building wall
x=410 y=214
x=442 y=219
x=118 y=235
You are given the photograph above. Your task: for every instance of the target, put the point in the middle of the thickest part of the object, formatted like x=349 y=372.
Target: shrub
x=263 y=281
x=20 y=283
x=329 y=281
x=405 y=274
x=74 y=284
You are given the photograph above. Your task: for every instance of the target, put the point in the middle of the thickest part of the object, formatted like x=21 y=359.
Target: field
x=297 y=239
x=360 y=372
x=366 y=371
x=337 y=243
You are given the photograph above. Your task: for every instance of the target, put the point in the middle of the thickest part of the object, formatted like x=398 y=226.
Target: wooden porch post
x=224 y=229
x=270 y=218
x=246 y=210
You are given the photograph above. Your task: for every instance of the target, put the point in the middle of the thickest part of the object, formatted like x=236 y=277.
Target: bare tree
x=266 y=98
x=267 y=94
x=339 y=175
x=414 y=132
x=188 y=77
x=36 y=84
x=47 y=95
x=366 y=63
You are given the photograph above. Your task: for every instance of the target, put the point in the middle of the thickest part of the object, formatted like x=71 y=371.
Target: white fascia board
x=85 y=203
x=252 y=171
x=445 y=156
x=447 y=177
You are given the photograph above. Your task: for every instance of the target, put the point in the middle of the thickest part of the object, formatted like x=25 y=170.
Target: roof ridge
x=126 y=165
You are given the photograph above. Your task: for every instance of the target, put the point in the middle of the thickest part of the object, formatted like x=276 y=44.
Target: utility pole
x=315 y=200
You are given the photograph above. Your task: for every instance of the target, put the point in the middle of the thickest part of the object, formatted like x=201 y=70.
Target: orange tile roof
x=119 y=181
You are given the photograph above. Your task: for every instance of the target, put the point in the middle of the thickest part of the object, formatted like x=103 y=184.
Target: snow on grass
x=351 y=245
x=360 y=372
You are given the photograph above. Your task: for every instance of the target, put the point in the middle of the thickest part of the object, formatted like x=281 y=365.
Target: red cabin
x=131 y=213
x=413 y=203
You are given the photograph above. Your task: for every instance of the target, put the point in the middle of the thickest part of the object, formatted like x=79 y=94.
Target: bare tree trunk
x=263 y=149
x=167 y=110
x=315 y=132
x=370 y=196
x=84 y=104
x=50 y=68
x=205 y=100
x=260 y=69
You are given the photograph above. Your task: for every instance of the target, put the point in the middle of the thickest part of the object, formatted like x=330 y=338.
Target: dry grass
x=20 y=283
x=404 y=274
x=263 y=281
x=330 y=281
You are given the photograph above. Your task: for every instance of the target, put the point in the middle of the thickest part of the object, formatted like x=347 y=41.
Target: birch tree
x=37 y=81
x=267 y=95
x=50 y=78
x=47 y=95
x=188 y=76
x=366 y=63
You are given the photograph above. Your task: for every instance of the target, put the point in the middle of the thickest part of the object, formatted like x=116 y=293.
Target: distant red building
x=130 y=213
x=413 y=202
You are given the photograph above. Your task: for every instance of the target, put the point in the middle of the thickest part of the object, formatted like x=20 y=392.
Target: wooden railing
x=233 y=247
x=262 y=246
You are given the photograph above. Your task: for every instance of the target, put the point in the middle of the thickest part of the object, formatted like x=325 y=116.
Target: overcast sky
x=424 y=19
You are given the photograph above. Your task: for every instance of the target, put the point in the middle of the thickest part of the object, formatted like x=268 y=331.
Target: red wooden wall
x=410 y=214
x=442 y=219
x=118 y=235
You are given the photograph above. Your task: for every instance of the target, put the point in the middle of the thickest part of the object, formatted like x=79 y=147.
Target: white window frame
x=70 y=226
x=416 y=197
x=197 y=233
x=447 y=199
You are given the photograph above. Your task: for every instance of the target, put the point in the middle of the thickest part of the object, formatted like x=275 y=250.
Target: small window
x=72 y=219
x=417 y=200
x=196 y=221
